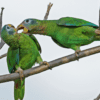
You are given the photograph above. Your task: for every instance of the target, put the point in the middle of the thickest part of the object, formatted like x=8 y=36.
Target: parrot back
x=74 y=22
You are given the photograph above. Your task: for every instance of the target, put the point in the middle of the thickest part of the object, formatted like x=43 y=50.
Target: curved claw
x=77 y=54
x=20 y=71
x=45 y=63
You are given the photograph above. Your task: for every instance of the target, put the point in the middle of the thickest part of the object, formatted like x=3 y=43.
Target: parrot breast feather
x=72 y=22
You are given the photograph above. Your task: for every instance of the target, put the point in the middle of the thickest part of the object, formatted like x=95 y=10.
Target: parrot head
x=8 y=31
x=30 y=25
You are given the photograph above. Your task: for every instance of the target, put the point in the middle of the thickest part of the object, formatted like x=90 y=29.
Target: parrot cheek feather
x=11 y=33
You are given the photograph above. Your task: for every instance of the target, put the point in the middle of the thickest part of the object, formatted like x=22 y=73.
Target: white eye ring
x=7 y=27
x=27 y=21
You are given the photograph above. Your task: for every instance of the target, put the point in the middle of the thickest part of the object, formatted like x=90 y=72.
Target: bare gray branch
x=2 y=42
x=48 y=10
x=52 y=64
x=98 y=97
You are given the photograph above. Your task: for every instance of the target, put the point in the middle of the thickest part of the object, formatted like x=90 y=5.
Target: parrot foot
x=77 y=54
x=97 y=31
x=20 y=71
x=45 y=63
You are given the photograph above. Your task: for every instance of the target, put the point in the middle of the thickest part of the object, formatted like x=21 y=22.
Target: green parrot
x=67 y=32
x=22 y=54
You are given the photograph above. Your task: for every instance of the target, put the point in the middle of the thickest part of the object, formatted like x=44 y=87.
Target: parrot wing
x=36 y=41
x=58 y=43
x=74 y=22
x=12 y=59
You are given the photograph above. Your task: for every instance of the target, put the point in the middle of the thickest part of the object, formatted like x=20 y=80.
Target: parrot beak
x=21 y=26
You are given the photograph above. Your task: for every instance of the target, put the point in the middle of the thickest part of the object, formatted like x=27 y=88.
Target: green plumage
x=67 y=32
x=36 y=42
x=23 y=52
x=19 y=89
x=70 y=21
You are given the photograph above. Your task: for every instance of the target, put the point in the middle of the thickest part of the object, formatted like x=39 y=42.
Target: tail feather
x=19 y=89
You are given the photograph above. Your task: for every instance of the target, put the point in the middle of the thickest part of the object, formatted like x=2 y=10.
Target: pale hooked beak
x=21 y=26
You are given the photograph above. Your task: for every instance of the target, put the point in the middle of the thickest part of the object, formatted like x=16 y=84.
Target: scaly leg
x=41 y=62
x=97 y=31
x=77 y=54
x=45 y=63
x=77 y=50
x=20 y=71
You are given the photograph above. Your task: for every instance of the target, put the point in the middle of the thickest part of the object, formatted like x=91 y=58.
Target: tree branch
x=99 y=18
x=4 y=55
x=2 y=42
x=98 y=97
x=47 y=12
x=45 y=18
x=54 y=63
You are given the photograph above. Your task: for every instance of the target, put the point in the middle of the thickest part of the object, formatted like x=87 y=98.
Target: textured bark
x=47 y=12
x=98 y=97
x=4 y=55
x=52 y=64
x=99 y=18
x=2 y=42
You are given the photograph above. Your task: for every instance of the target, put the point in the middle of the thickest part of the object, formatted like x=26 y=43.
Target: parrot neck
x=50 y=27
x=12 y=41
x=46 y=27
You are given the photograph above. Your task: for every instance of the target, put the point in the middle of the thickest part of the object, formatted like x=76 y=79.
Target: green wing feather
x=70 y=21
x=12 y=59
x=36 y=42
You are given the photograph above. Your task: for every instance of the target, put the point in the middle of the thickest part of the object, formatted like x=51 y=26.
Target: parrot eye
x=27 y=21
x=7 y=27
